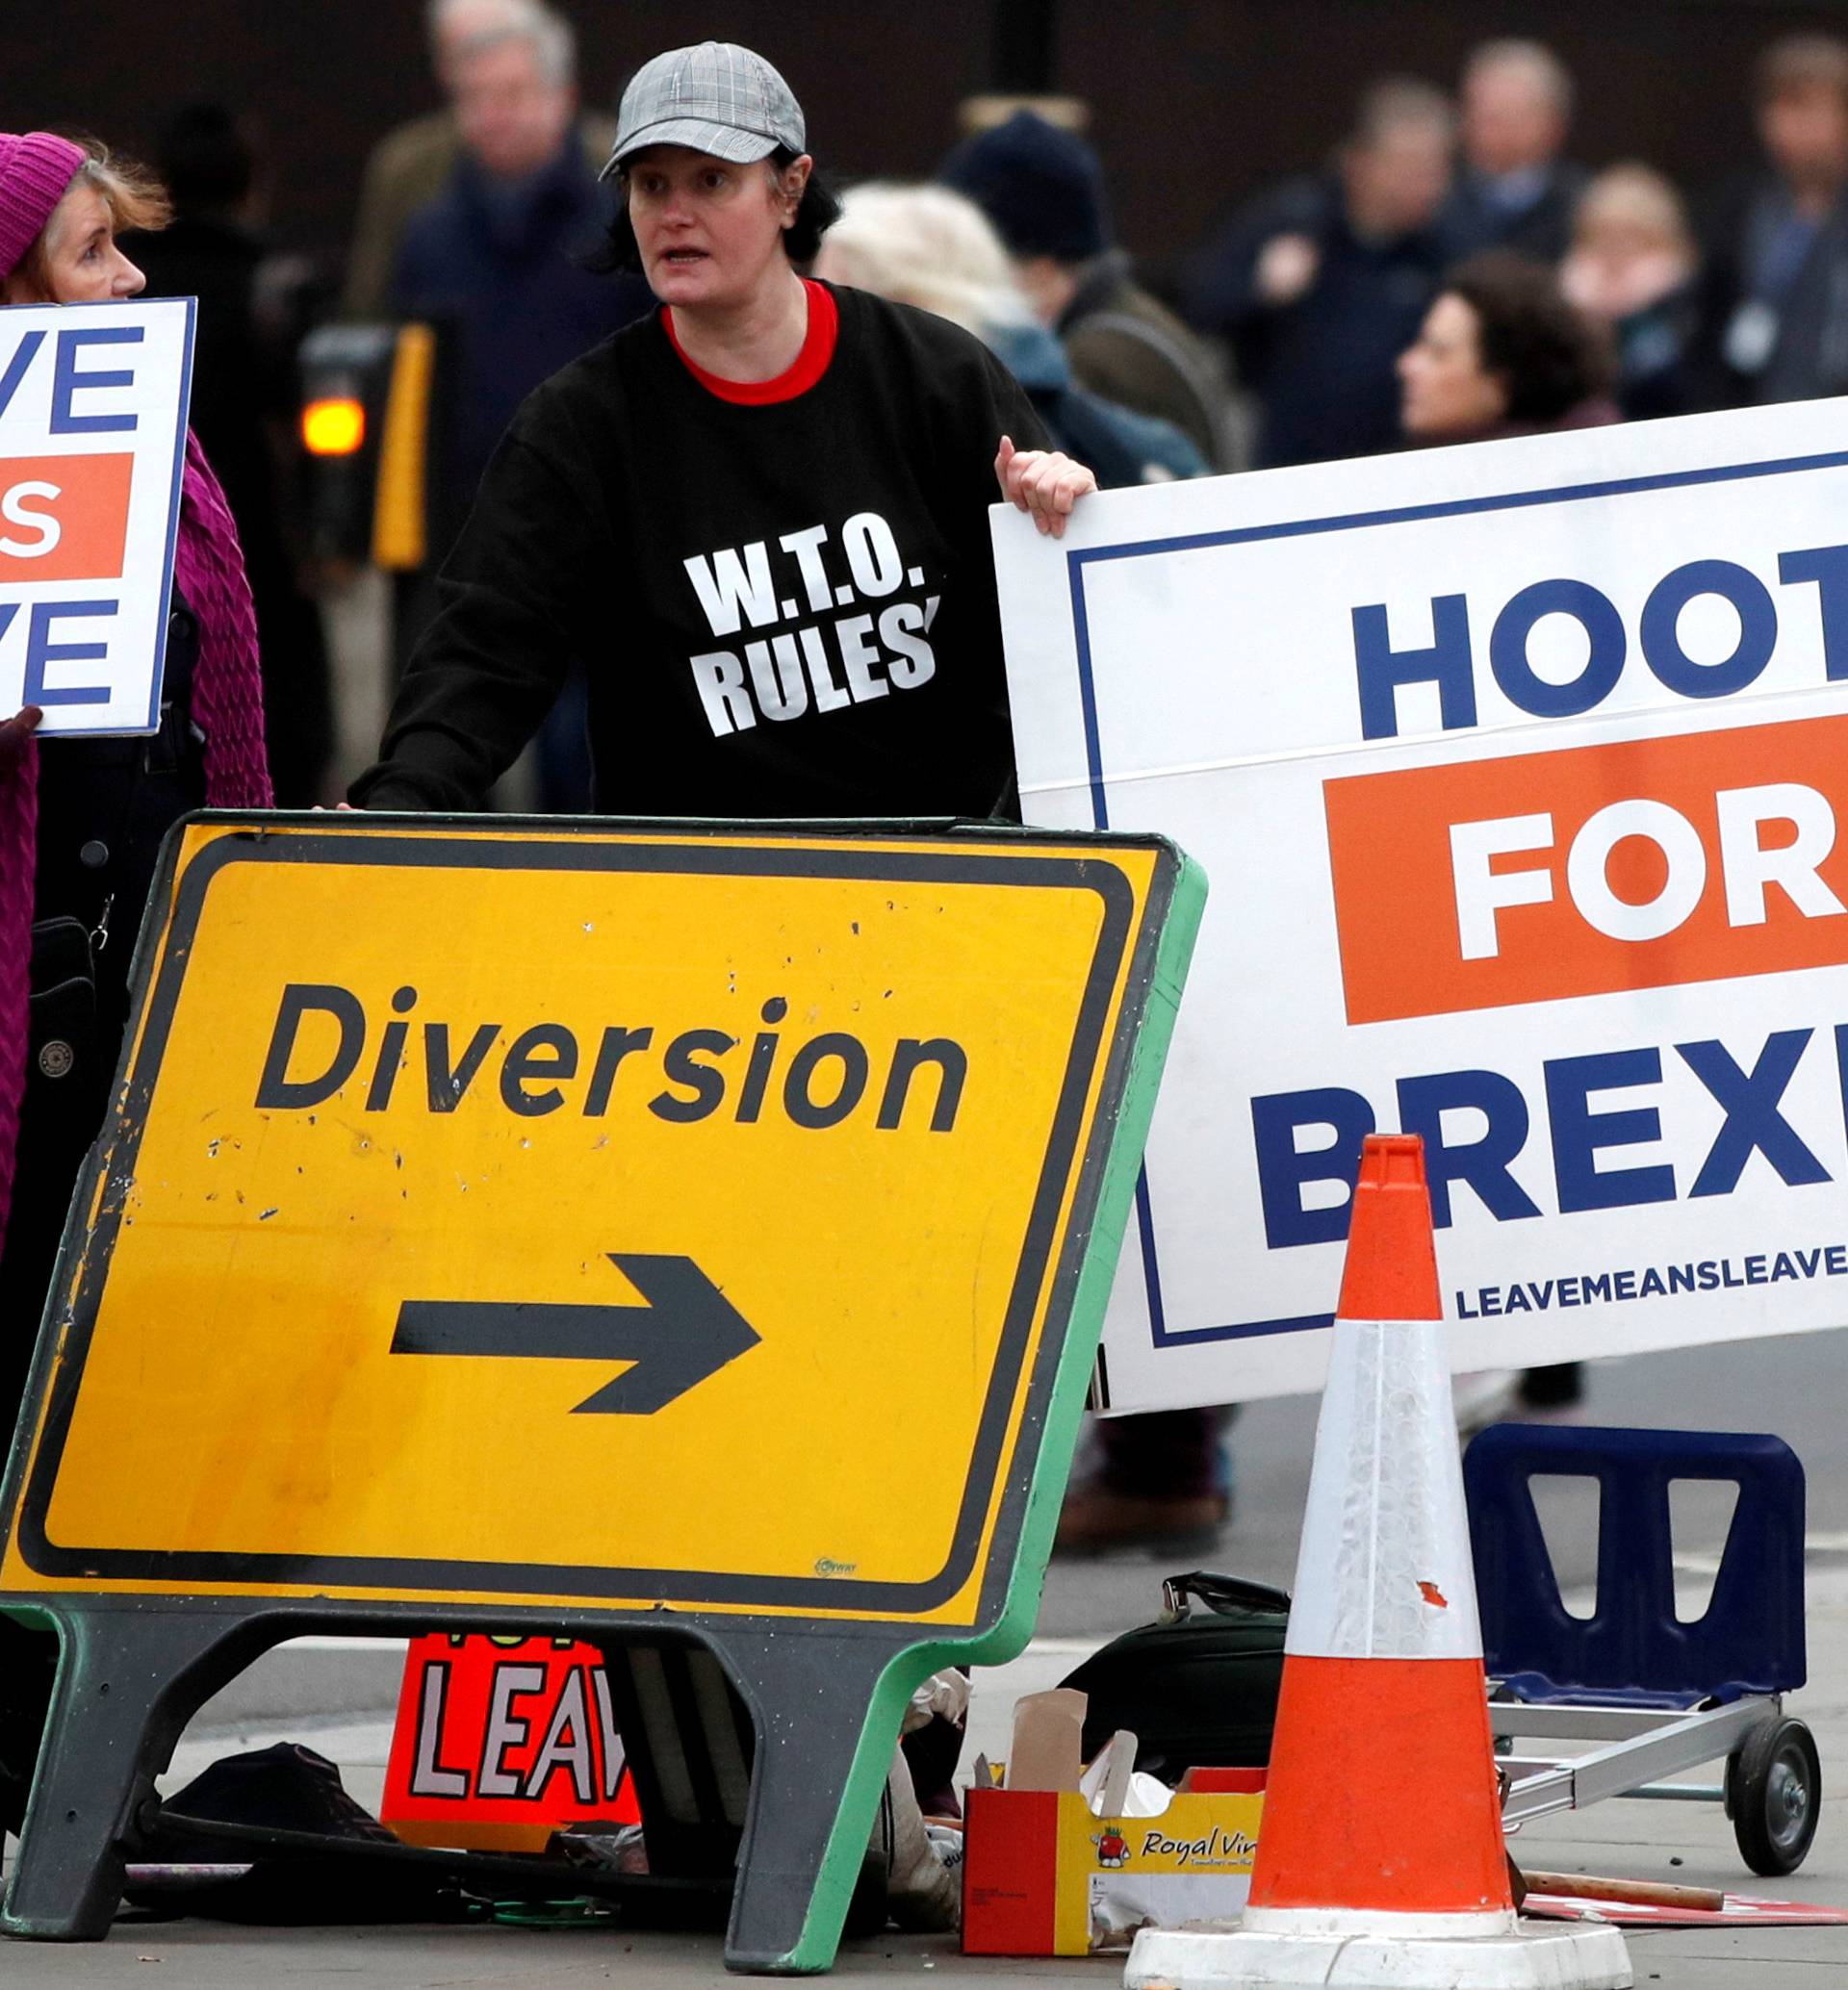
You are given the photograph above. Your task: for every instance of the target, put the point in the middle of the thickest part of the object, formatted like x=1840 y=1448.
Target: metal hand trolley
x=1656 y=1695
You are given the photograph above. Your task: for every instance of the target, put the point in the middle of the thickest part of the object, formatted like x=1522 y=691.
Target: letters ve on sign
x=69 y=354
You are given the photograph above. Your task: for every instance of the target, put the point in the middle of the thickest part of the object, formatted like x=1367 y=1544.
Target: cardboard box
x=1043 y=1876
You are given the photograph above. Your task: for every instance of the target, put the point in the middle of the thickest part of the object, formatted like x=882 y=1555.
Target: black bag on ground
x=287 y=1789
x=1198 y=1687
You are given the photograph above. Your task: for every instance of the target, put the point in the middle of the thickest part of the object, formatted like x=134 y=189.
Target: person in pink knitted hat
x=82 y=822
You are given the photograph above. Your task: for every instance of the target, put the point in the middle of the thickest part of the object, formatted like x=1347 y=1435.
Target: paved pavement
x=339 y=1699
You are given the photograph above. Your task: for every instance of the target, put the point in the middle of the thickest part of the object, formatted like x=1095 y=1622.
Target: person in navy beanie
x=1319 y=284
x=1042 y=188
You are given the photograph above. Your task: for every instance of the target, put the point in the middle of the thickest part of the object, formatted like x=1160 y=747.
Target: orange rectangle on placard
x=1642 y=864
x=64 y=517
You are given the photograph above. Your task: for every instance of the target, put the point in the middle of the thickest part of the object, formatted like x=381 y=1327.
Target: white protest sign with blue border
x=93 y=447
x=1515 y=773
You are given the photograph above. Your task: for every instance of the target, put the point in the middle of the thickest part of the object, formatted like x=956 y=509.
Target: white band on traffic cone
x=1383 y=1569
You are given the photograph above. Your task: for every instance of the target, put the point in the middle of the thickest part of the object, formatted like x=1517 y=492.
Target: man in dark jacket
x=1774 y=284
x=496 y=259
x=412 y=163
x=1043 y=190
x=1516 y=190
x=499 y=263
x=1322 y=285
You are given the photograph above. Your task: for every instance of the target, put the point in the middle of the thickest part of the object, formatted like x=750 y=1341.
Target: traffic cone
x=1380 y=1855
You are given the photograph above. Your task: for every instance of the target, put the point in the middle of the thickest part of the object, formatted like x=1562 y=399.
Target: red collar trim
x=810 y=363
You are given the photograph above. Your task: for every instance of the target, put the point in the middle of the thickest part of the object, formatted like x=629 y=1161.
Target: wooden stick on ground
x=1640 y=1893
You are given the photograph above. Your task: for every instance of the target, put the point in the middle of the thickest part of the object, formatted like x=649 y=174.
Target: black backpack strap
x=1222 y=1595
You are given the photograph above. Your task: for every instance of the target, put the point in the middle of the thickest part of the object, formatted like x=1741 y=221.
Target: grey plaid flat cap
x=716 y=98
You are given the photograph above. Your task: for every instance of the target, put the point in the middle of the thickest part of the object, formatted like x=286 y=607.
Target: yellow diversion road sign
x=600 y=1221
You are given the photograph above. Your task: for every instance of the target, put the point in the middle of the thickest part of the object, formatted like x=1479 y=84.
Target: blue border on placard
x=157 y=676
x=1081 y=557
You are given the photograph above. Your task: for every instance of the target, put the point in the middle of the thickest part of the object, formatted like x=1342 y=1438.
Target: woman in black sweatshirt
x=758 y=517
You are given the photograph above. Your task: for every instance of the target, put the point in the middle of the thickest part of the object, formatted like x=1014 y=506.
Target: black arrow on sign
x=687 y=1331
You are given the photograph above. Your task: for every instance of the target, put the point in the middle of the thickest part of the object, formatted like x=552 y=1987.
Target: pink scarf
x=227 y=706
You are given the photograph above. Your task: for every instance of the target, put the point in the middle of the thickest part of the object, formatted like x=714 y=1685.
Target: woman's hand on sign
x=1044 y=483
x=16 y=730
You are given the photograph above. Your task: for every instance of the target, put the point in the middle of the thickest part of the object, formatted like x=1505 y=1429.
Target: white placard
x=93 y=441
x=1550 y=646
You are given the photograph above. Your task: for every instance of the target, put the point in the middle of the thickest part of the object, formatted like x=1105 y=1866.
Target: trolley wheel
x=1774 y=1796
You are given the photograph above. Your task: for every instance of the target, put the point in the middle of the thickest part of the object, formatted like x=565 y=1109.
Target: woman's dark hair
x=206 y=158
x=1548 y=355
x=818 y=211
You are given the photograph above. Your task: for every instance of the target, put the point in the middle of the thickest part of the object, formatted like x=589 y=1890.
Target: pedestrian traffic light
x=335 y=426
x=365 y=430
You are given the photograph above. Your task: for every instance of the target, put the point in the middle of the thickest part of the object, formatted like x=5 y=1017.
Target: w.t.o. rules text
x=802 y=663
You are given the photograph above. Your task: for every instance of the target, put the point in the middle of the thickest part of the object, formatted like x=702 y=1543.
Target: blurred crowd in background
x=1453 y=272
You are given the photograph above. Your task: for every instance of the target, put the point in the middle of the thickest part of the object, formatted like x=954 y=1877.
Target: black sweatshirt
x=783 y=610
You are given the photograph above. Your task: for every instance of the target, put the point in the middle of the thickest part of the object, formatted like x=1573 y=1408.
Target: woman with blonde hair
x=1631 y=269
x=927 y=247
